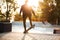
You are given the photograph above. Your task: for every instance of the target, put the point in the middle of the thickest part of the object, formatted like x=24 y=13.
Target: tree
x=49 y=11
x=44 y=9
x=7 y=13
x=58 y=10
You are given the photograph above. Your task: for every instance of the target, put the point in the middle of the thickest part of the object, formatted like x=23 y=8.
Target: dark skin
x=27 y=12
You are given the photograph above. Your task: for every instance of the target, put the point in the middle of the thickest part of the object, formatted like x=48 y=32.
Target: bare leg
x=24 y=23
x=30 y=21
x=32 y=26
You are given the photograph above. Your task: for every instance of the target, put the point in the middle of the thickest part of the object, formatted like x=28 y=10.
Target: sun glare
x=20 y=2
x=30 y=2
x=33 y=3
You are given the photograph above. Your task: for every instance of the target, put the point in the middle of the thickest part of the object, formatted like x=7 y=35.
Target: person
x=27 y=12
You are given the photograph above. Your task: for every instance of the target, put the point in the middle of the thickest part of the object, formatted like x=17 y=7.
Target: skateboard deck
x=30 y=27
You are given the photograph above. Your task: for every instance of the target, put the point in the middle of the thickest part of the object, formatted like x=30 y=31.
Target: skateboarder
x=27 y=12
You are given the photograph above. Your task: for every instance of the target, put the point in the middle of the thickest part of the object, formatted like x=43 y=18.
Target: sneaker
x=25 y=32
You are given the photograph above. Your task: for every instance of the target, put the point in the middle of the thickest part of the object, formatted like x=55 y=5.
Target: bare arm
x=20 y=10
x=33 y=12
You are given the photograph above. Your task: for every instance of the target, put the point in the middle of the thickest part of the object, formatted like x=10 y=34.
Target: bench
x=56 y=30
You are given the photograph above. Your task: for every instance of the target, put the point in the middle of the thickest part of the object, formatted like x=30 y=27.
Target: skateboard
x=29 y=28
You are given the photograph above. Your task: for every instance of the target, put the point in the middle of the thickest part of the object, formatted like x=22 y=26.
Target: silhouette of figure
x=27 y=12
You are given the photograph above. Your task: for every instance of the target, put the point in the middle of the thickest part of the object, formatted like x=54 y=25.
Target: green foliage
x=2 y=16
x=50 y=13
x=58 y=10
x=11 y=1
x=18 y=17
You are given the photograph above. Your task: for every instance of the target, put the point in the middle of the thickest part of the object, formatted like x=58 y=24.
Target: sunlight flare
x=33 y=3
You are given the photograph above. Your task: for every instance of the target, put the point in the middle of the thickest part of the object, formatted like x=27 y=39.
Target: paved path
x=29 y=36
x=39 y=27
x=17 y=35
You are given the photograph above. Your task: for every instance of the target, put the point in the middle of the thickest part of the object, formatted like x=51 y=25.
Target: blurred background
x=46 y=10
